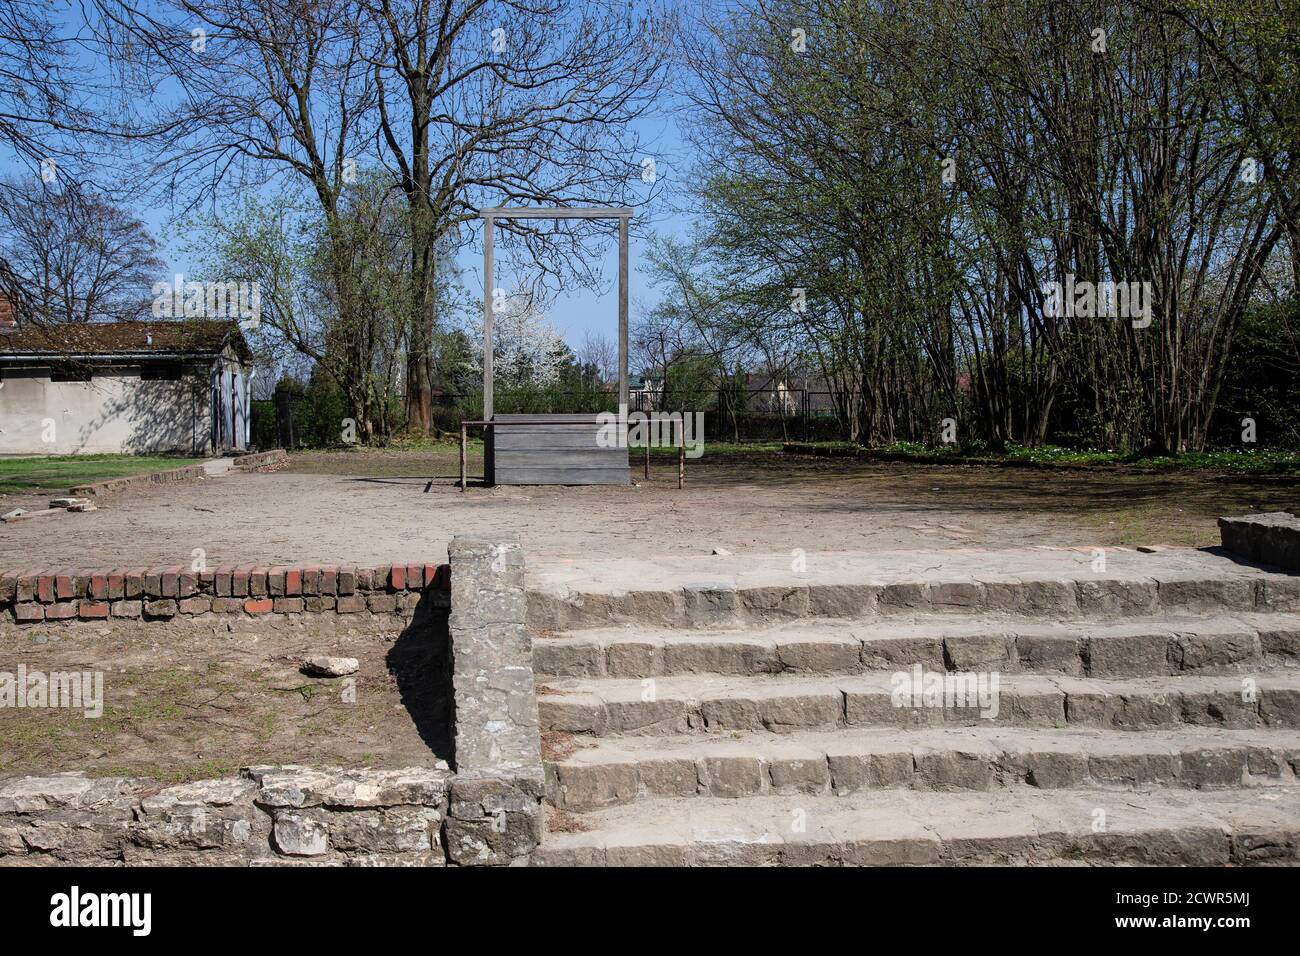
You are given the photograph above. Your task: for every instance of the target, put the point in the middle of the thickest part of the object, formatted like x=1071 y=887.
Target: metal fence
x=730 y=415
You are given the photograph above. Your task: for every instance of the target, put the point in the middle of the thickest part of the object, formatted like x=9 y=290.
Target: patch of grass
x=1240 y=462
x=61 y=472
x=718 y=449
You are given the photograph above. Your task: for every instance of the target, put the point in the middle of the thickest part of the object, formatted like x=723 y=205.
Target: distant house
x=134 y=387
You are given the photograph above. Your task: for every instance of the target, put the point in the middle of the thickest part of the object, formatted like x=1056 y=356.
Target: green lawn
x=61 y=472
x=1248 y=462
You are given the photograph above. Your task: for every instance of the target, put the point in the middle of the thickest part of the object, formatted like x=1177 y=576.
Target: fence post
x=283 y=419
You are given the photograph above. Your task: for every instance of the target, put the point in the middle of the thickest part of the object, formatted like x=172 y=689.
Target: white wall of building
x=115 y=412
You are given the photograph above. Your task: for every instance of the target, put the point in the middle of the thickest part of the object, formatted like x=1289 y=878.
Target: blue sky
x=575 y=311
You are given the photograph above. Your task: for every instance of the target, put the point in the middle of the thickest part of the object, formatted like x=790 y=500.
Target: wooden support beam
x=488 y=225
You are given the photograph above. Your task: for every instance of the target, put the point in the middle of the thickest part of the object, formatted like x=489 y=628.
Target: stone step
x=722 y=704
x=613 y=771
x=1048 y=583
x=1132 y=648
x=910 y=827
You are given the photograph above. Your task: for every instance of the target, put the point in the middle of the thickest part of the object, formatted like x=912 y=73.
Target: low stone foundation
x=496 y=816
x=1272 y=538
x=267 y=816
x=487 y=813
x=36 y=596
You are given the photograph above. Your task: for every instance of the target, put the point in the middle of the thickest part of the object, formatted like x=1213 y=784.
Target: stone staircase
x=1101 y=707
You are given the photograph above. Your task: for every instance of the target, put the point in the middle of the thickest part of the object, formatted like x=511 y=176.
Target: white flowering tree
x=527 y=349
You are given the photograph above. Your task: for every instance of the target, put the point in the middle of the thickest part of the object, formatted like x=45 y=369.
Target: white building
x=133 y=387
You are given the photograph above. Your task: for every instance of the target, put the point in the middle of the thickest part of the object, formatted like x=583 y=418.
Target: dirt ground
x=188 y=702
x=376 y=506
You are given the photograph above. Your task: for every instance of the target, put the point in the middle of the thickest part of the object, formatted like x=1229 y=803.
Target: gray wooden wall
x=544 y=452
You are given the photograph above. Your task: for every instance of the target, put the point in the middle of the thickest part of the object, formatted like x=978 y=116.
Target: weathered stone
x=492 y=821
x=300 y=787
x=1272 y=538
x=301 y=833
x=322 y=665
x=1140 y=654
x=405 y=829
x=1214 y=650
x=1049 y=653
x=591 y=786
x=808 y=774
x=732 y=776
x=1220 y=767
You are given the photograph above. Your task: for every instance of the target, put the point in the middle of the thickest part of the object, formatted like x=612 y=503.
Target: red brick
x=351 y=604
x=195 y=605
x=98 y=585
x=311 y=579
x=8 y=586
x=65 y=585
x=29 y=611
x=382 y=603
x=257 y=582
x=239 y=582
x=329 y=579
x=397 y=577
x=187 y=584
x=442 y=580
x=275 y=581
x=164 y=607
x=26 y=589
x=430 y=574
x=153 y=582
x=258 y=606
x=227 y=605
x=224 y=576
x=63 y=611
x=287 y=605
x=292 y=581
x=89 y=609
x=347 y=583
x=169 y=582
x=116 y=584
x=45 y=587
x=133 y=584
x=414 y=577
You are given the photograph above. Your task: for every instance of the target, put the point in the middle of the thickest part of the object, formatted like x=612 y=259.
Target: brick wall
x=40 y=595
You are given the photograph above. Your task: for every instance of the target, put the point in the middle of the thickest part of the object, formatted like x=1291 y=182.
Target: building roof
x=185 y=338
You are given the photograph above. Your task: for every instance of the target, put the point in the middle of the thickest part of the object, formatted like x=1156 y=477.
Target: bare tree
x=78 y=257
x=496 y=103
x=466 y=102
x=600 y=352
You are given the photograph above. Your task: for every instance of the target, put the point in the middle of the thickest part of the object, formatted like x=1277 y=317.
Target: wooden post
x=462 y=456
x=488 y=225
x=681 y=456
x=622 y=313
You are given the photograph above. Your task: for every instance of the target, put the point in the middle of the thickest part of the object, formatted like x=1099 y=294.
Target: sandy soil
x=371 y=507
x=185 y=701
